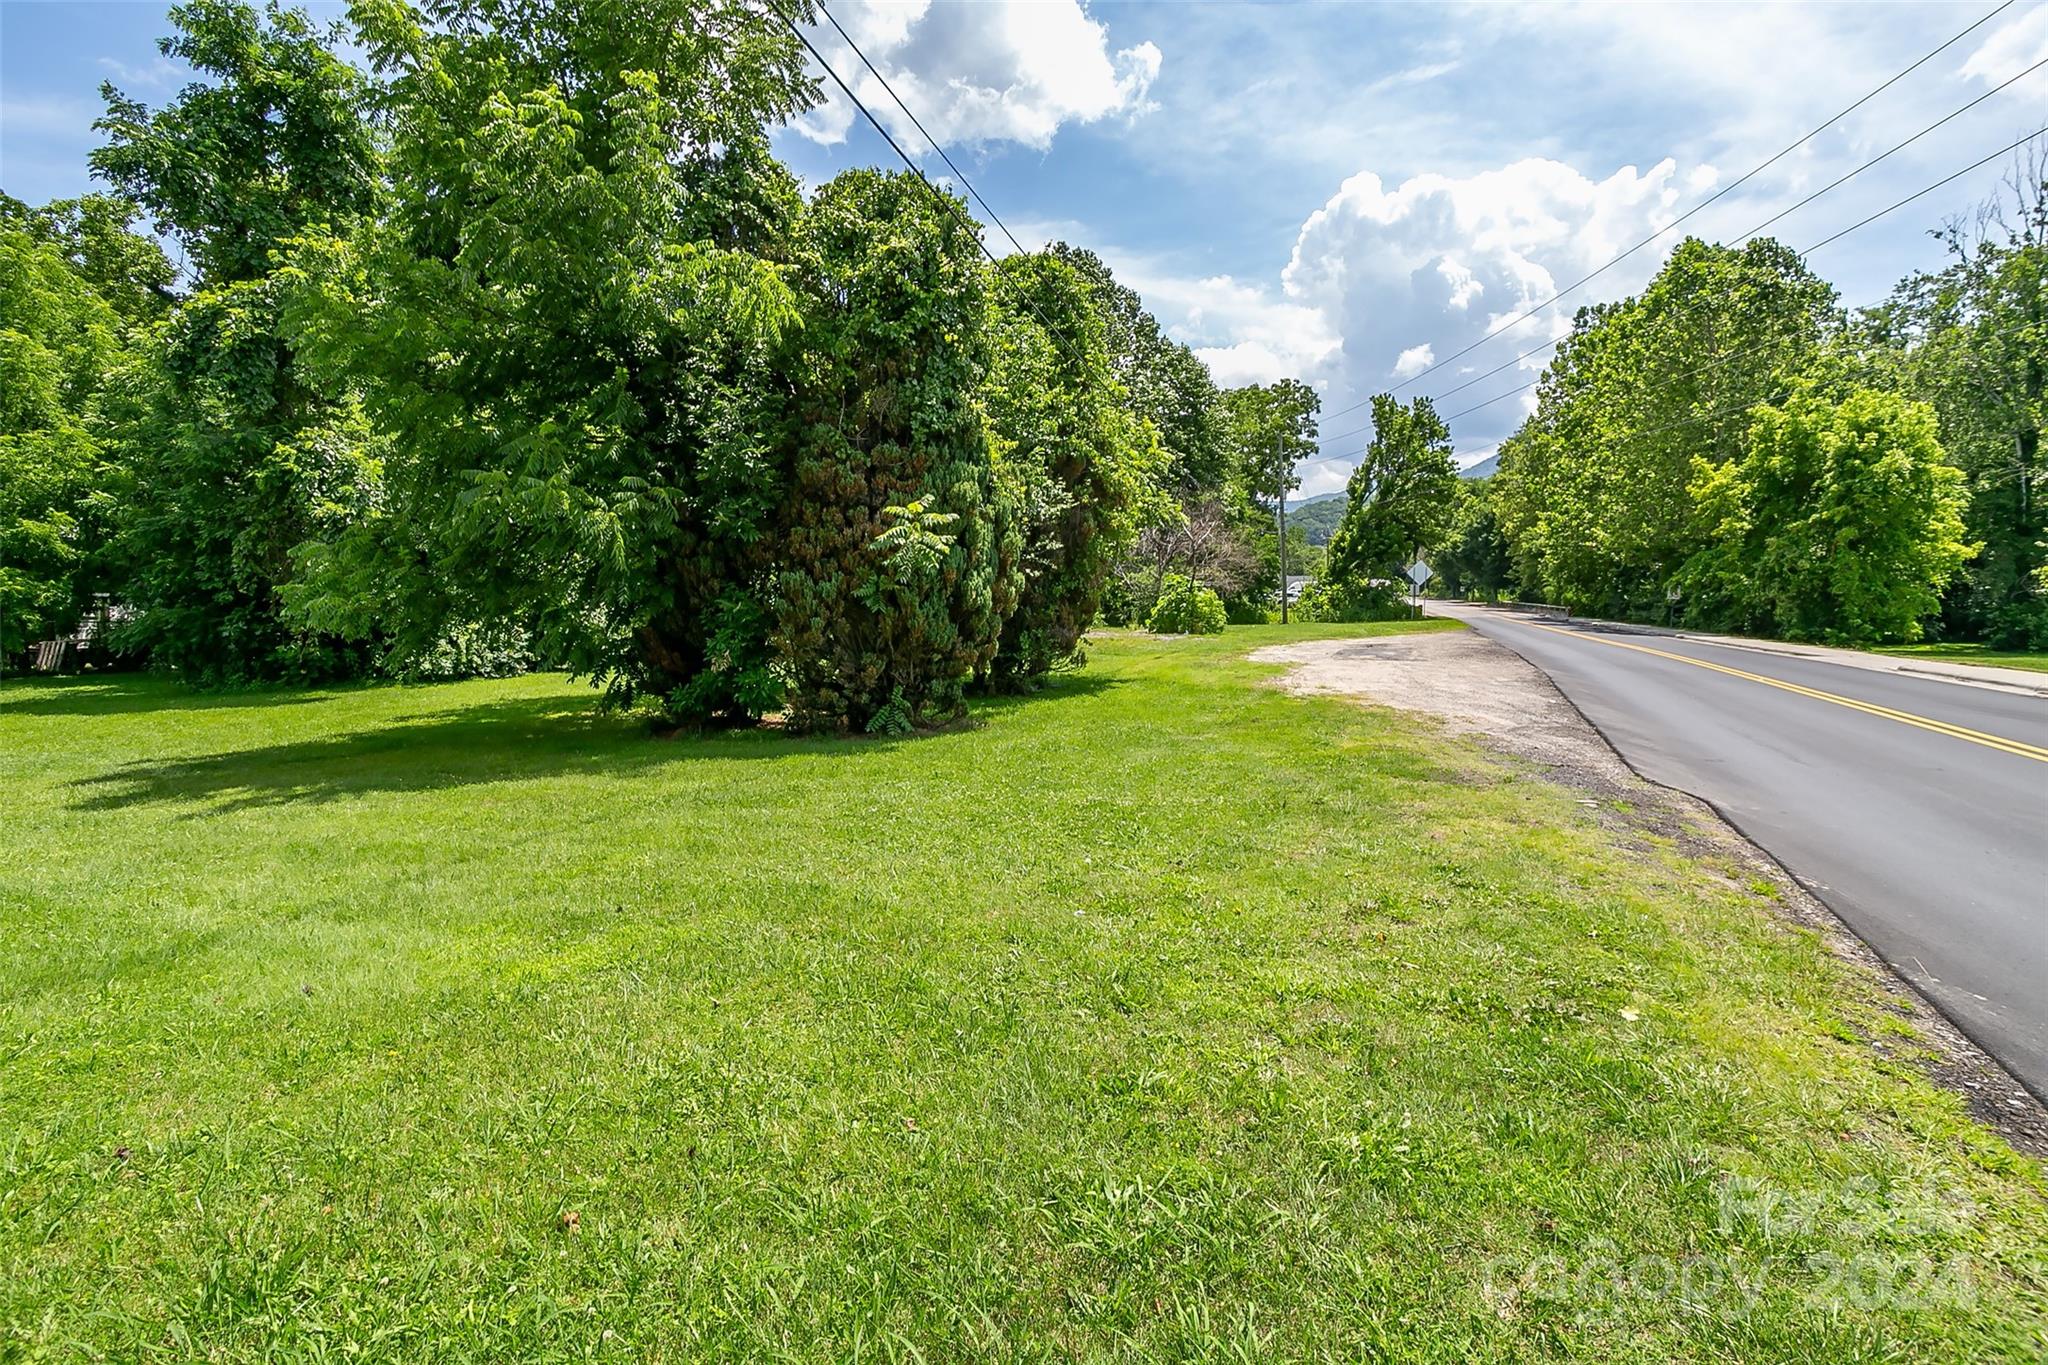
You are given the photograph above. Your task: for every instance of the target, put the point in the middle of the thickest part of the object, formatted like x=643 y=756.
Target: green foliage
x=1475 y=559
x=58 y=338
x=871 y=612
x=96 y=235
x=1333 y=600
x=233 y=458
x=1972 y=339
x=1593 y=488
x=1841 y=522
x=1400 y=499
x=1184 y=608
x=271 y=141
x=232 y=464
x=1272 y=429
x=1076 y=466
x=565 y=326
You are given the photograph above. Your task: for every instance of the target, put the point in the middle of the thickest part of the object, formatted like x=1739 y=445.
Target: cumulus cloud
x=2010 y=49
x=1245 y=333
x=1407 y=274
x=1009 y=70
x=1414 y=360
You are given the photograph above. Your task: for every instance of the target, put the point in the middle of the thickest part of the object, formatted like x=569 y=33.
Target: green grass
x=1161 y=1016
x=1973 y=654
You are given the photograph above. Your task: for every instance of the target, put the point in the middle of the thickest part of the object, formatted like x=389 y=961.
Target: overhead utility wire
x=1725 y=189
x=1895 y=205
x=1898 y=204
x=952 y=205
x=919 y=125
x=1544 y=346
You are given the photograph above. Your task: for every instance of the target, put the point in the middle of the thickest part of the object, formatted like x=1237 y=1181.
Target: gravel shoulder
x=1477 y=689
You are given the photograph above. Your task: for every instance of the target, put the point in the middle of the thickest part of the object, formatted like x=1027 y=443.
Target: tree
x=1401 y=495
x=887 y=429
x=96 y=234
x=1475 y=557
x=1075 y=464
x=233 y=458
x=562 y=324
x=1841 y=522
x=58 y=338
x=1273 y=428
x=1594 y=490
x=1973 y=340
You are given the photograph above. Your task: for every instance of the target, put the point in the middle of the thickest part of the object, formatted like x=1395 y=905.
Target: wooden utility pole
x=1283 y=531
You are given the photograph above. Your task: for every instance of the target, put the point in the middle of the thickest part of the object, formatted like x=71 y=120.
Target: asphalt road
x=1916 y=808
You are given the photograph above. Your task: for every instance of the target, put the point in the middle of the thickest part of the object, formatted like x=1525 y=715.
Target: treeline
x=1732 y=450
x=520 y=347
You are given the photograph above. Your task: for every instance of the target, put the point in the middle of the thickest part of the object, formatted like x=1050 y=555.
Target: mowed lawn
x=1962 y=653
x=1160 y=1016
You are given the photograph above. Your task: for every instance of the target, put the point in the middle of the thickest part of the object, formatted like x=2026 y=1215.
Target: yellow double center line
x=1939 y=727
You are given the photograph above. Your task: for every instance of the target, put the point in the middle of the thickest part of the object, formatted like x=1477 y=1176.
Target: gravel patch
x=1482 y=690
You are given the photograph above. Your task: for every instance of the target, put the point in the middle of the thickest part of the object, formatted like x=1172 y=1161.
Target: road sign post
x=1418 y=573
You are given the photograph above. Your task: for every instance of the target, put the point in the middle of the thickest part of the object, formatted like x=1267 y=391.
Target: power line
x=1889 y=150
x=916 y=123
x=952 y=205
x=1974 y=165
x=1710 y=199
x=1889 y=208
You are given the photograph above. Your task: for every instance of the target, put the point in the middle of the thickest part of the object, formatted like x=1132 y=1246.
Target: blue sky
x=1344 y=193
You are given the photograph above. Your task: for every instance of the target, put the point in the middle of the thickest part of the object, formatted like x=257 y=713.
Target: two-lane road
x=1917 y=808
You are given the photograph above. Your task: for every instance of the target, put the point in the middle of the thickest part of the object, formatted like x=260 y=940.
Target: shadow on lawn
x=506 y=741
x=135 y=694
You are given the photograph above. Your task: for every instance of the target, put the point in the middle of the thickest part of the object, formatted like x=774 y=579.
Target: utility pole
x=1277 y=453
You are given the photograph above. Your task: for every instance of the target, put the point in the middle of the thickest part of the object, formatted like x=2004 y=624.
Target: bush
x=893 y=569
x=1185 y=609
x=1350 y=602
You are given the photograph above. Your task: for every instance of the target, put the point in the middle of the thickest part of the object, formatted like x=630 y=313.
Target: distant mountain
x=1318 y=516
x=1485 y=469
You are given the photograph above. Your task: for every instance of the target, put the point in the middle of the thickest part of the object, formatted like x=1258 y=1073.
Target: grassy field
x=1972 y=654
x=1161 y=1016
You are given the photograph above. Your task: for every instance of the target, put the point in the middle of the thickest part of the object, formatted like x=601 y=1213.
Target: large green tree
x=894 y=567
x=564 y=323
x=1841 y=521
x=233 y=458
x=1594 y=489
x=1077 y=465
x=1272 y=430
x=58 y=339
x=1401 y=497
x=1972 y=339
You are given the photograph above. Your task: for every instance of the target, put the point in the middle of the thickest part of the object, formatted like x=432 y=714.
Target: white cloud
x=1005 y=71
x=1414 y=273
x=1414 y=360
x=1245 y=333
x=2010 y=49
x=160 y=74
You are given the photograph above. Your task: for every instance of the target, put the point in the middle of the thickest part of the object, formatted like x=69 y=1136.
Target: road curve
x=1915 y=807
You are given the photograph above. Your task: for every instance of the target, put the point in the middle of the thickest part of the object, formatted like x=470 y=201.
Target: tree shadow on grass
x=505 y=741
x=136 y=694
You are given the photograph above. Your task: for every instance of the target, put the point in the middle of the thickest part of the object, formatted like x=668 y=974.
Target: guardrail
x=1547 y=609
